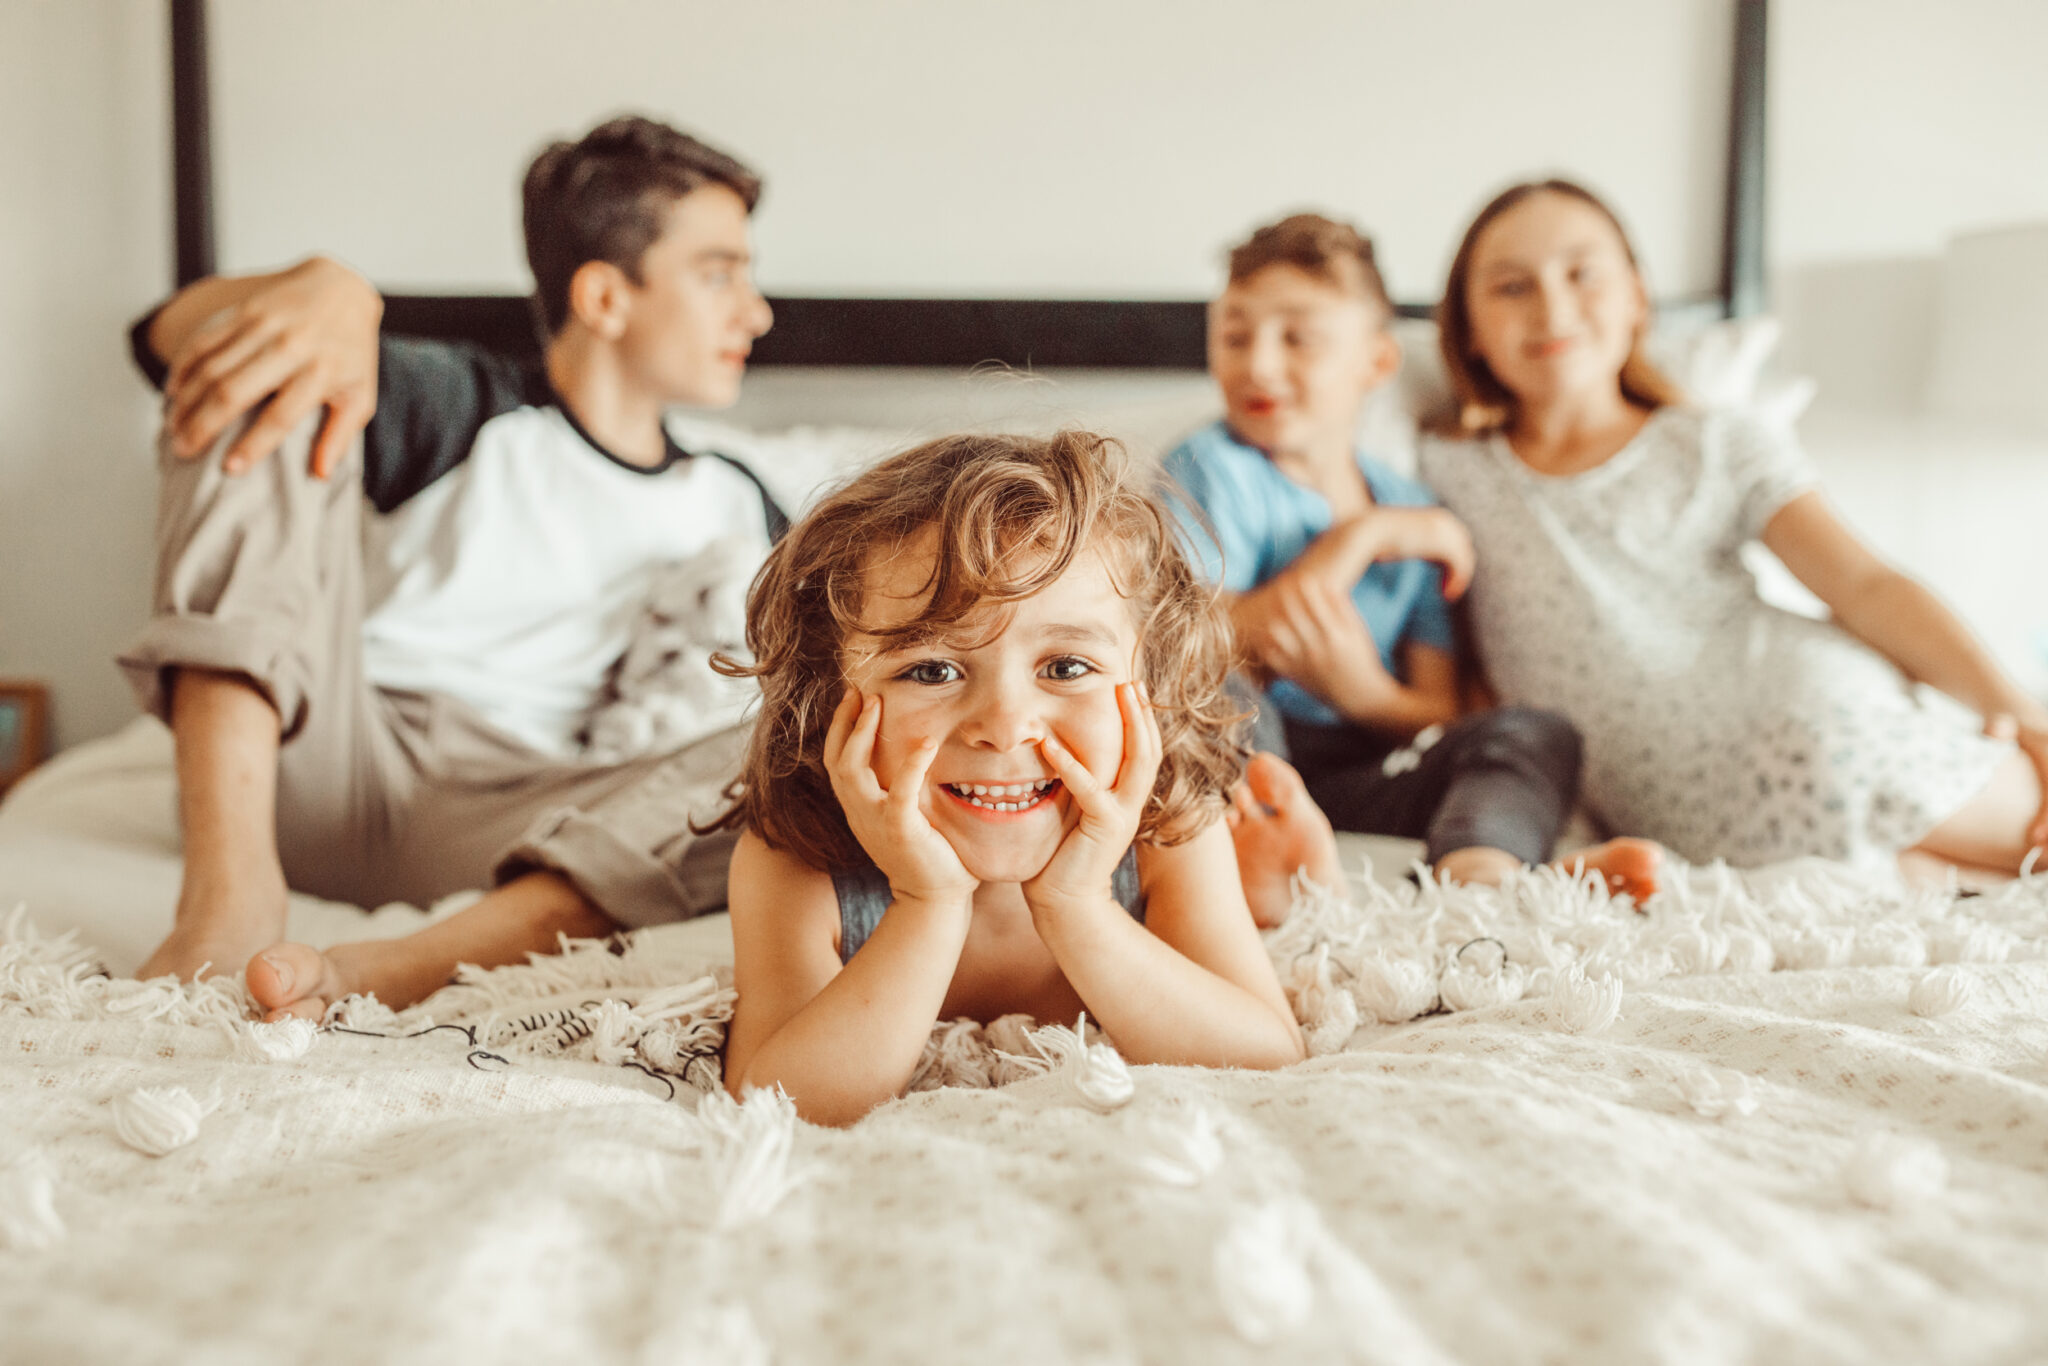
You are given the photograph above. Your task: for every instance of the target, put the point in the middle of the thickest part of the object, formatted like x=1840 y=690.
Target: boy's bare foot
x=1631 y=867
x=1279 y=830
x=299 y=981
x=219 y=923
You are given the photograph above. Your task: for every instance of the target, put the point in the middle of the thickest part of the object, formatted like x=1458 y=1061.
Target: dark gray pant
x=1504 y=779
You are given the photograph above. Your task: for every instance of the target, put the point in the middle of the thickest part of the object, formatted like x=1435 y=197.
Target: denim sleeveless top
x=864 y=895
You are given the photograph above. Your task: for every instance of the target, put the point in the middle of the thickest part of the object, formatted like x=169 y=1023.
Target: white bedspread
x=1632 y=1140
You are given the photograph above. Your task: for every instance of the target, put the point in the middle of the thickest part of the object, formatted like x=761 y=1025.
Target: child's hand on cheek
x=1080 y=870
x=890 y=823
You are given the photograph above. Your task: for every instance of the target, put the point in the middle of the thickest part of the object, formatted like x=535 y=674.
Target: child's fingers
x=1086 y=788
x=1142 y=744
x=908 y=788
x=843 y=717
x=856 y=764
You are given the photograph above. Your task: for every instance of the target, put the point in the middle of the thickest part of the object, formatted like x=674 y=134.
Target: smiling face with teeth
x=1052 y=670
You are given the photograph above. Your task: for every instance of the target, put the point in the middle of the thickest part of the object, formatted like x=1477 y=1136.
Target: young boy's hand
x=1080 y=870
x=1305 y=629
x=1430 y=533
x=890 y=822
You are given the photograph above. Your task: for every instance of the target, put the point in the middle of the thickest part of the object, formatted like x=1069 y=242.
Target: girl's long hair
x=1482 y=405
x=1007 y=516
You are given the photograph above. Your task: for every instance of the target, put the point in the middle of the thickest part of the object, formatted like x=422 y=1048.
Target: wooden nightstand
x=24 y=727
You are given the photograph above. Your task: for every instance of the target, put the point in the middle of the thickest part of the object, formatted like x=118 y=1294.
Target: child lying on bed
x=989 y=777
x=1324 y=557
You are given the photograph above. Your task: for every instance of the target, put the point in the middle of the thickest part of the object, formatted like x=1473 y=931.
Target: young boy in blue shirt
x=1337 y=570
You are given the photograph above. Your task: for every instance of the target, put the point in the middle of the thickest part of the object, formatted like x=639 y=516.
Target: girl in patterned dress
x=1609 y=518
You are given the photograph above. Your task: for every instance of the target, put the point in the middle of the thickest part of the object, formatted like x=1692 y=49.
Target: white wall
x=1174 y=125
x=975 y=147
x=84 y=237
x=1895 y=124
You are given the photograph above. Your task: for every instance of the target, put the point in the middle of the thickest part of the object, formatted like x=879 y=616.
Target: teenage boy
x=1336 y=571
x=386 y=707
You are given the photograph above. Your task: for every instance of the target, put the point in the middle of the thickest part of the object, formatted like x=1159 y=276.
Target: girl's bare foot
x=1631 y=867
x=1279 y=830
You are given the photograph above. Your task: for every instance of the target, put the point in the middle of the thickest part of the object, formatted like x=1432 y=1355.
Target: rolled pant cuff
x=628 y=884
x=172 y=642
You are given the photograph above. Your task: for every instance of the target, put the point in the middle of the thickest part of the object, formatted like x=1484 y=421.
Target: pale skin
x=995 y=912
x=1295 y=356
x=307 y=336
x=1556 y=305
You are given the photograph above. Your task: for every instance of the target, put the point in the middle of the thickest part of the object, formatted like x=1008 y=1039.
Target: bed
x=1786 y=1115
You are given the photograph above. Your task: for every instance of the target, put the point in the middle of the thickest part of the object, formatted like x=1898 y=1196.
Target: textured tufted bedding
x=1783 y=1117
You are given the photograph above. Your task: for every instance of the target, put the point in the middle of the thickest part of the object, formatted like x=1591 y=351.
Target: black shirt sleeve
x=433 y=397
x=154 y=368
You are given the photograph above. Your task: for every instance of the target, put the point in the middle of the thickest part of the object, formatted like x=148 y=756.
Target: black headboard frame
x=951 y=333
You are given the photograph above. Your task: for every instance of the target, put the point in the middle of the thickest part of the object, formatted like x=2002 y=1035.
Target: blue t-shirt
x=1259 y=522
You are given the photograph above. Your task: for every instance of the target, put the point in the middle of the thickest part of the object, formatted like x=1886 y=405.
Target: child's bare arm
x=839 y=1041
x=1900 y=618
x=1191 y=985
x=1892 y=612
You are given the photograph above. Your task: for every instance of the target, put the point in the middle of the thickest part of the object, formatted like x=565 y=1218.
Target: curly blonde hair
x=1010 y=515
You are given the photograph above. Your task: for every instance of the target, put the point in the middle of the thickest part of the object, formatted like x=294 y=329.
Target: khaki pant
x=398 y=796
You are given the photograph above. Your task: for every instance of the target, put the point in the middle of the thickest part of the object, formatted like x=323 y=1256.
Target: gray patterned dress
x=1714 y=722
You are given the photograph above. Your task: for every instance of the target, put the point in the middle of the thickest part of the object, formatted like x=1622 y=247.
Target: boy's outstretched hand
x=1081 y=869
x=293 y=342
x=889 y=823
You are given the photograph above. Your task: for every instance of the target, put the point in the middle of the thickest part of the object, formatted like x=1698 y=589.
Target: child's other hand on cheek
x=1109 y=810
x=890 y=823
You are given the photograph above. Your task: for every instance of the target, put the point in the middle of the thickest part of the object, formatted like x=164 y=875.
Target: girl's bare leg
x=1989 y=832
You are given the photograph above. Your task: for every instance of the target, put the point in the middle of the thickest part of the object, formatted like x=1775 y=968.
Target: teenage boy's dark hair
x=606 y=198
x=1324 y=247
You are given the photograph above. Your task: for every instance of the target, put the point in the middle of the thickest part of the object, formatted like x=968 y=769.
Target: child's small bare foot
x=1279 y=830
x=298 y=981
x=1631 y=867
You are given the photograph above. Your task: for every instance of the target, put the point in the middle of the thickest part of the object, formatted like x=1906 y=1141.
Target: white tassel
x=1093 y=1072
x=1748 y=951
x=1697 y=951
x=29 y=1221
x=1394 y=990
x=751 y=1144
x=705 y=1336
x=1893 y=1171
x=1178 y=1149
x=1480 y=975
x=1329 y=1016
x=1815 y=947
x=1009 y=1041
x=1941 y=992
x=614 y=1029
x=1261 y=1266
x=1717 y=1092
x=281 y=1041
x=157 y=1120
x=1586 y=1006
x=1973 y=942
x=1889 y=945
